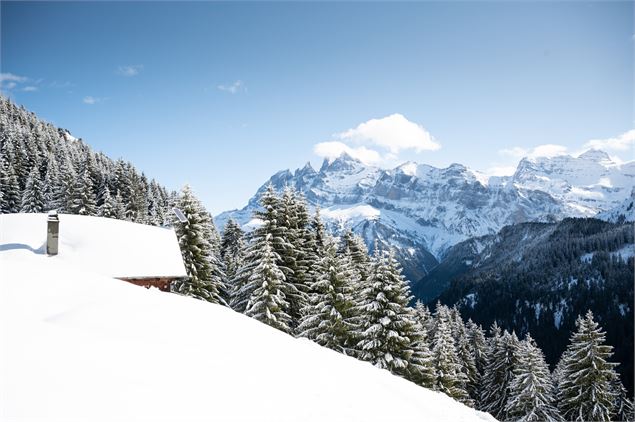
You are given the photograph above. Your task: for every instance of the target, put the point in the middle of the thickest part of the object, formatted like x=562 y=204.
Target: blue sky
x=222 y=95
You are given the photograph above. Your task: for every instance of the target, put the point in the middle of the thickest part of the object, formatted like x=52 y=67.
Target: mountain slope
x=422 y=211
x=539 y=277
x=81 y=346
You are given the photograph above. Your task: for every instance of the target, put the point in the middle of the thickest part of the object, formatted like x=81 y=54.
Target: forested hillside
x=538 y=277
x=43 y=167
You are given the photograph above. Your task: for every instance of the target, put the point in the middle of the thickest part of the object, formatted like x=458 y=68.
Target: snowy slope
x=78 y=346
x=625 y=211
x=424 y=210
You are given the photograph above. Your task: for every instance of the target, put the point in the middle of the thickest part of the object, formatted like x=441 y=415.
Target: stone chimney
x=52 y=233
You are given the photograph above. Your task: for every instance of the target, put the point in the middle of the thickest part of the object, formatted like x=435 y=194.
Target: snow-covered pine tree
x=502 y=362
x=238 y=291
x=478 y=343
x=10 y=188
x=267 y=300
x=425 y=318
x=531 y=392
x=293 y=218
x=421 y=369
x=465 y=353
x=451 y=379
x=623 y=407
x=119 y=210
x=61 y=198
x=83 y=201
x=584 y=390
x=355 y=246
x=329 y=316
x=108 y=203
x=387 y=325
x=274 y=224
x=33 y=199
x=51 y=181
x=314 y=245
x=232 y=248
x=205 y=279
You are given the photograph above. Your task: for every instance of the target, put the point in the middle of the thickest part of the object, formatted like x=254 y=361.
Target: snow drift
x=78 y=345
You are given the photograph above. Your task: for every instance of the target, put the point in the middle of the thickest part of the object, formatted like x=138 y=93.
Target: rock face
x=422 y=210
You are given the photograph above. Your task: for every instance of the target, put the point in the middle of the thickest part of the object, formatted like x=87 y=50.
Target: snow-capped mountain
x=423 y=210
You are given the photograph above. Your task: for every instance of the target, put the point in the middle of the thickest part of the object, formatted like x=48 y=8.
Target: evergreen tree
x=83 y=201
x=623 y=406
x=232 y=248
x=314 y=246
x=450 y=377
x=329 y=317
x=387 y=327
x=267 y=301
x=119 y=209
x=503 y=361
x=421 y=370
x=425 y=318
x=51 y=182
x=476 y=338
x=239 y=294
x=531 y=392
x=10 y=188
x=354 y=245
x=33 y=199
x=465 y=354
x=585 y=391
x=292 y=218
x=108 y=204
x=205 y=279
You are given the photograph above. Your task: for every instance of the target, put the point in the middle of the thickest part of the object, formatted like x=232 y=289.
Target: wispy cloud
x=623 y=142
x=10 y=81
x=90 y=100
x=129 y=70
x=233 y=88
x=10 y=77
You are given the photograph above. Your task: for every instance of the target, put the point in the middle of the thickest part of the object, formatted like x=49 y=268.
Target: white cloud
x=90 y=100
x=4 y=77
x=623 y=142
x=9 y=81
x=233 y=88
x=130 y=70
x=394 y=132
x=334 y=149
x=29 y=88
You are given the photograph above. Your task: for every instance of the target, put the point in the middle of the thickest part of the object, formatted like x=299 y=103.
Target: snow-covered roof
x=113 y=248
x=77 y=346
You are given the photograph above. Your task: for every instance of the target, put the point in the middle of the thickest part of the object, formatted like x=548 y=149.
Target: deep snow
x=79 y=346
x=106 y=246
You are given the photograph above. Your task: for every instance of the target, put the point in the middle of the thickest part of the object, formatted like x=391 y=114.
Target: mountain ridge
x=422 y=210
